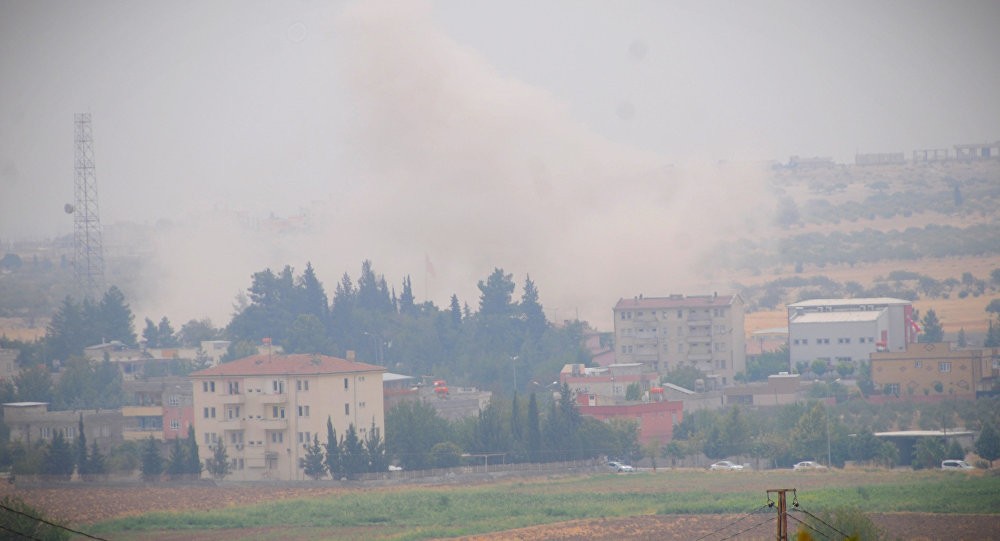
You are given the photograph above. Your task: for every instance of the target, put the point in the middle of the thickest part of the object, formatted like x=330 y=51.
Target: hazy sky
x=576 y=141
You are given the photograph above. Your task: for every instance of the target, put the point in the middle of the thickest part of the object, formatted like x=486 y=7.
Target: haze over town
x=581 y=143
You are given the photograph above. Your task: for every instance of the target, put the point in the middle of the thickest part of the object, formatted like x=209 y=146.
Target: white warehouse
x=848 y=330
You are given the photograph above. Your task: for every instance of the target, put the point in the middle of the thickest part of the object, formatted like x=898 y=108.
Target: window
x=303 y=411
x=305 y=438
x=892 y=388
x=71 y=432
x=175 y=424
x=233 y=412
x=680 y=314
x=345 y=383
x=208 y=386
x=944 y=367
x=277 y=412
x=278 y=387
x=347 y=409
x=236 y=437
x=209 y=413
x=277 y=437
x=361 y=405
x=174 y=400
x=918 y=364
x=234 y=387
x=301 y=385
x=211 y=437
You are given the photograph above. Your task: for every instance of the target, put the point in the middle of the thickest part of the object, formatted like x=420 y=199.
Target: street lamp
x=513 y=363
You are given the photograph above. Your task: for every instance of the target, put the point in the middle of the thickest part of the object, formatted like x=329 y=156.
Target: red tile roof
x=675 y=301
x=294 y=364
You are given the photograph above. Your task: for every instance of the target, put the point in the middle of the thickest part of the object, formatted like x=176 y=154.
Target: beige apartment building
x=935 y=370
x=266 y=408
x=663 y=333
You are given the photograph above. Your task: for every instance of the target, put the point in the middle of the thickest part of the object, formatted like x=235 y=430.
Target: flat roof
x=923 y=433
x=847 y=302
x=24 y=404
x=390 y=376
x=836 y=317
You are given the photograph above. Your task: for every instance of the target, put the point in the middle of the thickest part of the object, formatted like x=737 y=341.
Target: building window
x=174 y=400
x=361 y=405
x=234 y=387
x=345 y=383
x=277 y=437
x=303 y=411
x=892 y=388
x=175 y=424
x=209 y=413
x=305 y=438
x=277 y=412
x=347 y=409
x=944 y=367
x=302 y=385
x=233 y=412
x=278 y=387
x=211 y=437
x=918 y=364
x=208 y=386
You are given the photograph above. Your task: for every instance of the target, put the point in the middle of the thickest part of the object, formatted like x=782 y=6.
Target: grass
x=422 y=512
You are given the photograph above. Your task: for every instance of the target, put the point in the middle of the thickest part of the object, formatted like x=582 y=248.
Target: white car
x=808 y=465
x=955 y=465
x=620 y=467
x=726 y=465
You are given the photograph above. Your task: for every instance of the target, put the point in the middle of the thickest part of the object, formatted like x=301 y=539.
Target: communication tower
x=88 y=262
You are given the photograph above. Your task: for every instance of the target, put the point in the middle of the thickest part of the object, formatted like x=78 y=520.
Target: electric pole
x=782 y=529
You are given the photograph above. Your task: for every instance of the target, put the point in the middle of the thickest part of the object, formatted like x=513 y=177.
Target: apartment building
x=157 y=406
x=663 y=333
x=31 y=422
x=266 y=408
x=848 y=330
x=935 y=370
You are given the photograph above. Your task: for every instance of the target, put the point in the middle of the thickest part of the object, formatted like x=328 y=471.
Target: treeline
x=782 y=436
x=504 y=339
x=898 y=284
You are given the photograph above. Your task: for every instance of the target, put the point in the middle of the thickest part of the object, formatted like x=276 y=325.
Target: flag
x=429 y=267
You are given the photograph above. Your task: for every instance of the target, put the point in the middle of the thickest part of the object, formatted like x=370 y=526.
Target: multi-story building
x=31 y=422
x=663 y=333
x=157 y=406
x=848 y=330
x=266 y=408
x=935 y=370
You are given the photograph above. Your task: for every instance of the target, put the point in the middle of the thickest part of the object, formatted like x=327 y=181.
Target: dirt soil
x=86 y=504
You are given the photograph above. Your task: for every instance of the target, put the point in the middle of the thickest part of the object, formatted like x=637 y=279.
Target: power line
x=807 y=525
x=19 y=534
x=768 y=519
x=726 y=527
x=821 y=520
x=53 y=524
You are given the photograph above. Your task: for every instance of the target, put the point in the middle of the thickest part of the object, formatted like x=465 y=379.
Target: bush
x=22 y=521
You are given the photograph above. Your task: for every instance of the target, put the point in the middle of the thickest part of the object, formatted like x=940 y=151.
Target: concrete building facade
x=266 y=408
x=848 y=330
x=663 y=333
x=935 y=370
x=31 y=422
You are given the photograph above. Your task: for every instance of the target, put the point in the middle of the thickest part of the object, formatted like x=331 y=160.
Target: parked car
x=726 y=465
x=620 y=467
x=395 y=468
x=955 y=465
x=808 y=465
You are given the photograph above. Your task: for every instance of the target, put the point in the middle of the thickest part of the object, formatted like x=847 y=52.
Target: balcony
x=142 y=411
x=276 y=398
x=238 y=398
x=139 y=434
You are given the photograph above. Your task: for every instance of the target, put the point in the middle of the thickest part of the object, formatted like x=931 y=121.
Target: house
x=266 y=408
x=664 y=333
x=848 y=330
x=655 y=418
x=934 y=371
x=9 y=368
x=780 y=389
x=397 y=388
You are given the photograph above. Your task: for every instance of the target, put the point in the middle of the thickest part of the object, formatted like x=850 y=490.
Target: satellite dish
x=69 y=208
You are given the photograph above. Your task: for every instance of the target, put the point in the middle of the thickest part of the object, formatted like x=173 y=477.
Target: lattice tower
x=89 y=257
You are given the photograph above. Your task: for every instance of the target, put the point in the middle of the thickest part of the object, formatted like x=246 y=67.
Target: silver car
x=726 y=465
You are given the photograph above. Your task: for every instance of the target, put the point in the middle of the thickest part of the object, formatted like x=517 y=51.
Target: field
x=667 y=504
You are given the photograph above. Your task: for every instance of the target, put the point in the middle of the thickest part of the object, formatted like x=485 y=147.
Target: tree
x=531 y=310
x=312 y=464
x=22 y=521
x=955 y=450
x=334 y=462
x=932 y=330
x=406 y=305
x=375 y=450
x=684 y=376
x=988 y=443
x=411 y=429
x=495 y=298
x=196 y=331
x=928 y=453
x=193 y=461
x=151 y=334
x=34 y=384
x=962 y=340
x=96 y=462
x=534 y=430
x=151 y=459
x=165 y=333
x=177 y=463
x=116 y=319
x=218 y=465
x=307 y=334
x=353 y=453
x=58 y=460
x=80 y=449
x=445 y=455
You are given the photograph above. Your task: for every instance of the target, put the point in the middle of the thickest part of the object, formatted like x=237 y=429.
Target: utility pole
x=782 y=530
x=88 y=263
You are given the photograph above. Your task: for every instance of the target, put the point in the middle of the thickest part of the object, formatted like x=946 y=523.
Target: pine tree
x=456 y=311
x=406 y=305
x=375 y=450
x=218 y=464
x=353 y=453
x=334 y=461
x=177 y=463
x=151 y=460
x=96 y=462
x=312 y=464
x=59 y=459
x=932 y=331
x=531 y=310
x=80 y=449
x=193 y=461
x=988 y=443
x=165 y=334
x=516 y=429
x=116 y=318
x=151 y=334
x=534 y=430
